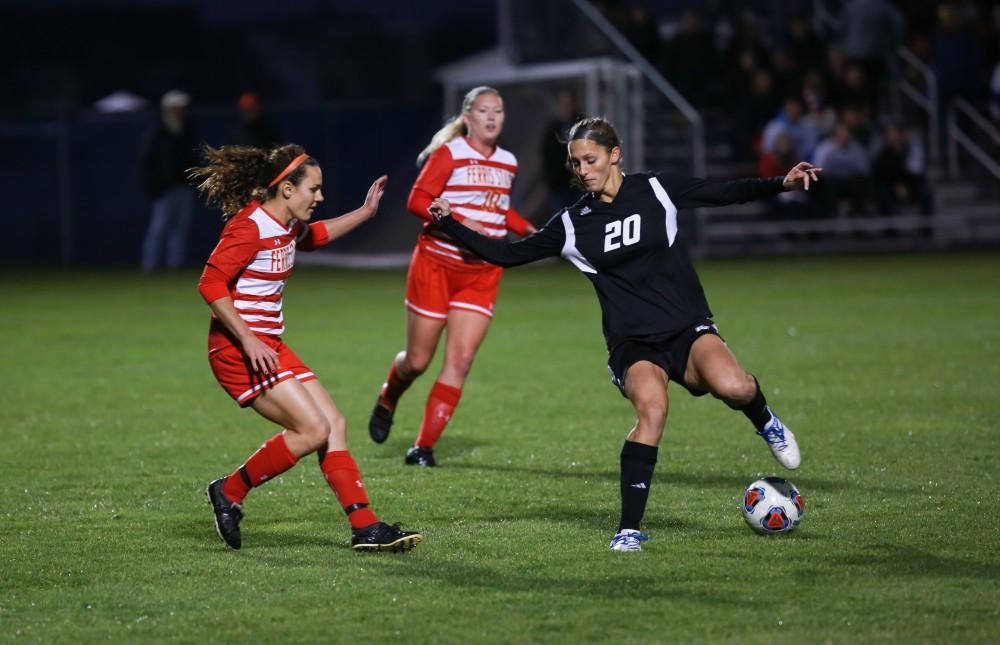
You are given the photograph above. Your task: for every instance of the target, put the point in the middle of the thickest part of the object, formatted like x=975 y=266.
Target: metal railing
x=656 y=79
x=926 y=101
x=957 y=137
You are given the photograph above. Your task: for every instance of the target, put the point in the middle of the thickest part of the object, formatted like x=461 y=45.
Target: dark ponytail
x=234 y=175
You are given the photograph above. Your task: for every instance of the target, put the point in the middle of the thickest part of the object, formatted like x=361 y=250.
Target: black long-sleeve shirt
x=629 y=248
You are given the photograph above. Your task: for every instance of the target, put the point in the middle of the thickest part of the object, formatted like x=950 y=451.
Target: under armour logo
x=358 y=482
x=277 y=242
x=641 y=485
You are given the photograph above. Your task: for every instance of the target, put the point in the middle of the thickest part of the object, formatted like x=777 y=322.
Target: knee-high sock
x=437 y=413
x=637 y=461
x=757 y=410
x=270 y=460
x=342 y=474
x=393 y=388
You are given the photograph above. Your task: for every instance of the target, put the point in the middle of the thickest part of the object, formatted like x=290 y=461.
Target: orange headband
x=296 y=162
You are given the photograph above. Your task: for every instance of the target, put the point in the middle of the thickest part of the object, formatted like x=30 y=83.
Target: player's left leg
x=344 y=478
x=466 y=332
x=712 y=367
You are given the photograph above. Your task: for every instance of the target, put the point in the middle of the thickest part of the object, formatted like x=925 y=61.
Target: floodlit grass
x=886 y=368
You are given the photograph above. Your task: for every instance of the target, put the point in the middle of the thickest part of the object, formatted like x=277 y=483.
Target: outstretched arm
x=543 y=244
x=327 y=230
x=688 y=192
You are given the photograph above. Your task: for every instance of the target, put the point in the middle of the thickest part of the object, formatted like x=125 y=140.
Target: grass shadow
x=901 y=560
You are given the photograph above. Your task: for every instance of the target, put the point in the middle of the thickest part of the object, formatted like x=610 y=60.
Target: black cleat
x=227 y=515
x=380 y=423
x=420 y=456
x=384 y=537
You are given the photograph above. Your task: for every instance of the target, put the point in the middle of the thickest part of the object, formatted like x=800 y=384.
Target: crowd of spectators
x=787 y=85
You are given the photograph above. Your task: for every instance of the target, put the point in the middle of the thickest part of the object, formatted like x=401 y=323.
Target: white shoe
x=782 y=442
x=628 y=540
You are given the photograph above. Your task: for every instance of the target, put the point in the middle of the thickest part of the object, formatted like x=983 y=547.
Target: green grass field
x=886 y=368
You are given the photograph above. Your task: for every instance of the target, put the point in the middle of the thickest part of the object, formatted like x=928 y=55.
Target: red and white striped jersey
x=250 y=264
x=477 y=187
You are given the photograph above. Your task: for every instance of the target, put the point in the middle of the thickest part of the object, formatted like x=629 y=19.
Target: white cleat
x=782 y=442
x=628 y=540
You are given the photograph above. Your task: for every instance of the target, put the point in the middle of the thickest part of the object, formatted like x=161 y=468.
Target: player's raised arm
x=692 y=192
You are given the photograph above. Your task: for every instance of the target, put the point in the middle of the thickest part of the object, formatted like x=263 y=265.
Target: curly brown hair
x=599 y=130
x=234 y=175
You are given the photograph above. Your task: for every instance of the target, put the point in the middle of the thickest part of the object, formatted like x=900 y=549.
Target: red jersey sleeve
x=517 y=223
x=312 y=237
x=237 y=247
x=430 y=183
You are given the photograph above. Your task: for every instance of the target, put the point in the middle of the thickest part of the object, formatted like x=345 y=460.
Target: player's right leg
x=343 y=476
x=646 y=388
x=289 y=405
x=427 y=314
x=422 y=336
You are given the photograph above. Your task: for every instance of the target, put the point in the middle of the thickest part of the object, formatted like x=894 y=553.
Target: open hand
x=374 y=196
x=261 y=356
x=801 y=176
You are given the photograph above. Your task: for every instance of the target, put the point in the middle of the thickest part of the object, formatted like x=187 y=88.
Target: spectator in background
x=953 y=57
x=254 y=129
x=791 y=120
x=816 y=99
x=858 y=120
x=553 y=152
x=692 y=43
x=168 y=151
x=872 y=30
x=755 y=108
x=846 y=185
x=780 y=161
x=900 y=173
x=803 y=44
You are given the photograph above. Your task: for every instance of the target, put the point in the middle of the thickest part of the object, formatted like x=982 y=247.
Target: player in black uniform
x=622 y=234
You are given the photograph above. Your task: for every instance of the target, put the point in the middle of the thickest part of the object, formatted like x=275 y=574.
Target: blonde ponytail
x=455 y=126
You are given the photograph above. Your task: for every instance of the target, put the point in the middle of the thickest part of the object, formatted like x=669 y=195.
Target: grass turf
x=886 y=368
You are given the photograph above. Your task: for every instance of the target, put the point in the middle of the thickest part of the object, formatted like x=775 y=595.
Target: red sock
x=270 y=460
x=440 y=404
x=341 y=472
x=393 y=388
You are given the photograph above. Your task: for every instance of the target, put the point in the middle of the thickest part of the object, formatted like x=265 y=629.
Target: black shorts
x=669 y=352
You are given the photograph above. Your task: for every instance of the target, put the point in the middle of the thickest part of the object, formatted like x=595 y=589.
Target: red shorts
x=233 y=371
x=434 y=287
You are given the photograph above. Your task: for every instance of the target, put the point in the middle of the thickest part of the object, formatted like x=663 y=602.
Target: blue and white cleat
x=628 y=540
x=782 y=442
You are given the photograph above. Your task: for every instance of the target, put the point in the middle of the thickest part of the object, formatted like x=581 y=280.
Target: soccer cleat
x=384 y=537
x=420 y=456
x=380 y=422
x=628 y=540
x=227 y=515
x=782 y=442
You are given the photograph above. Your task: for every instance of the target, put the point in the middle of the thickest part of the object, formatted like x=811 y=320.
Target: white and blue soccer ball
x=772 y=505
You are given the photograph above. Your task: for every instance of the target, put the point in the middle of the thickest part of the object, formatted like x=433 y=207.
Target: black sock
x=638 y=461
x=757 y=410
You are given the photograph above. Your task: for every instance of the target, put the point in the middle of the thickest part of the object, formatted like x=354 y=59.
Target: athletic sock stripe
x=246 y=476
x=355 y=507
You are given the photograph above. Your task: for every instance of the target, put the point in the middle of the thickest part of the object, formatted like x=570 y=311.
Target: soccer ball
x=772 y=505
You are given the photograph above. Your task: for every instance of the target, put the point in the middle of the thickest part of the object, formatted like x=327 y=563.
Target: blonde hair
x=454 y=126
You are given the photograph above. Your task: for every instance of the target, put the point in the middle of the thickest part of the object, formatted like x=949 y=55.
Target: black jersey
x=629 y=248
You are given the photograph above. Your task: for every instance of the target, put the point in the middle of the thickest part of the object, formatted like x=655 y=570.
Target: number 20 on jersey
x=621 y=233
